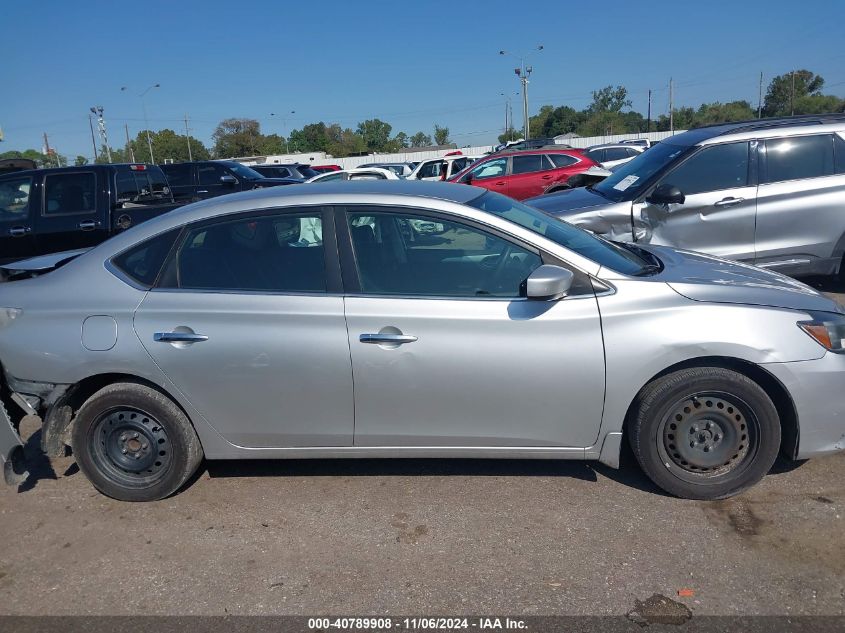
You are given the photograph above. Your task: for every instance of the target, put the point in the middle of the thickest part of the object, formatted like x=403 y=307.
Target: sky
x=410 y=64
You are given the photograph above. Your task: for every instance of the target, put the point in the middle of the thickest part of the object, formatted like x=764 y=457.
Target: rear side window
x=281 y=253
x=142 y=262
x=179 y=175
x=563 y=160
x=70 y=194
x=14 y=199
x=616 y=153
x=713 y=168
x=799 y=157
x=141 y=186
x=527 y=164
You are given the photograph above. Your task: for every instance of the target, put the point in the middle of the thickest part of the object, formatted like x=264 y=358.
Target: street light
x=146 y=122
x=523 y=72
x=284 y=125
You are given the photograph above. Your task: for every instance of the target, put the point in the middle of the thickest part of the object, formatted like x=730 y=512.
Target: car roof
x=760 y=128
x=614 y=145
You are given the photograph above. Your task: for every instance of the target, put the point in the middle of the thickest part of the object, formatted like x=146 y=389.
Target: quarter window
x=143 y=262
x=14 y=199
x=73 y=193
x=562 y=160
x=799 y=157
x=713 y=168
x=398 y=254
x=281 y=253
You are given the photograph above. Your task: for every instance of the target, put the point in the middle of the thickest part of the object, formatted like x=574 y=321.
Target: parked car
x=639 y=142
x=533 y=143
x=400 y=169
x=440 y=168
x=359 y=173
x=9 y=165
x=297 y=171
x=61 y=209
x=321 y=169
x=221 y=330
x=205 y=179
x=768 y=192
x=527 y=173
x=609 y=156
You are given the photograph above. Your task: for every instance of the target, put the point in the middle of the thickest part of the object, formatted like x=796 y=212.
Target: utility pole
x=93 y=140
x=671 y=107
x=648 y=129
x=760 y=98
x=129 y=143
x=188 y=138
x=101 y=125
x=47 y=152
x=792 y=96
x=524 y=72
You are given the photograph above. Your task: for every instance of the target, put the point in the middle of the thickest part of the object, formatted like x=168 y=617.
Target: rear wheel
x=705 y=432
x=134 y=444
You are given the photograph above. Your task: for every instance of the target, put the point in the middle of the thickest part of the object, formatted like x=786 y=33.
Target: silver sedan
x=323 y=322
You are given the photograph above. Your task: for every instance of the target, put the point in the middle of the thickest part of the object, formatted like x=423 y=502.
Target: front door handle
x=387 y=339
x=202 y=191
x=547 y=177
x=19 y=231
x=179 y=337
x=88 y=225
x=728 y=202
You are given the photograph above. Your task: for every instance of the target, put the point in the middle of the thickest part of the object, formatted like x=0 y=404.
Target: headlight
x=7 y=315
x=828 y=330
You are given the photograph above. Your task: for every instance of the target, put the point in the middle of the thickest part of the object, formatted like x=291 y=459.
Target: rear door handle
x=179 y=337
x=19 y=231
x=387 y=339
x=202 y=191
x=88 y=225
x=728 y=202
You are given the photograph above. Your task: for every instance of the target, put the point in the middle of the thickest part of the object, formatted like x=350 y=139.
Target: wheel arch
x=770 y=384
x=59 y=416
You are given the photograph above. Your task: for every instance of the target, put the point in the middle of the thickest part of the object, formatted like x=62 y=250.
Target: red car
x=527 y=173
x=322 y=169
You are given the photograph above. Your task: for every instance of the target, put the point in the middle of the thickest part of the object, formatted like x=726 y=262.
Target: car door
x=181 y=178
x=800 y=227
x=71 y=216
x=530 y=175
x=248 y=324
x=209 y=184
x=18 y=203
x=718 y=213
x=445 y=349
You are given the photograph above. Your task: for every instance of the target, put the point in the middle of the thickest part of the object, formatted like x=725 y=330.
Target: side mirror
x=549 y=283
x=666 y=194
x=228 y=179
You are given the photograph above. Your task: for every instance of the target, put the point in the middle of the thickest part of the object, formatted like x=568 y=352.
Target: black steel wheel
x=704 y=432
x=135 y=444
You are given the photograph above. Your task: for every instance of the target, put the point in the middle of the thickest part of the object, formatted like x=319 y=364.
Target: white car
x=609 y=156
x=434 y=168
x=359 y=173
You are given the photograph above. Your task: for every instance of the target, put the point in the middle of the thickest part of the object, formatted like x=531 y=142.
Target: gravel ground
x=422 y=537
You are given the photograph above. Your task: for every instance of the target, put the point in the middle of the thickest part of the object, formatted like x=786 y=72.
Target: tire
x=704 y=432
x=134 y=444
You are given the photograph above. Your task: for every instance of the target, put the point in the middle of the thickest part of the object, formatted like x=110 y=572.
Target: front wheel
x=704 y=432
x=134 y=444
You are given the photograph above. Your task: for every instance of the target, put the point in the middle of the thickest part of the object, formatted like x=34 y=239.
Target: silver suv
x=768 y=192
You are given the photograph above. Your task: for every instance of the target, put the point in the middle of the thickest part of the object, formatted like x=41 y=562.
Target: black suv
x=205 y=179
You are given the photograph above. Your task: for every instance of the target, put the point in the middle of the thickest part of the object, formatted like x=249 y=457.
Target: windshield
x=244 y=172
x=628 y=180
x=578 y=240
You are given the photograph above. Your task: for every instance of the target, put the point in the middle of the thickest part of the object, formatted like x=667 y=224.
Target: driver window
x=400 y=254
x=14 y=199
x=490 y=169
x=712 y=169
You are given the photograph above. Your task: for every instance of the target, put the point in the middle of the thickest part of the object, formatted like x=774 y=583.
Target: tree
x=603 y=123
x=818 y=104
x=167 y=145
x=780 y=97
x=54 y=159
x=441 y=135
x=401 y=140
x=236 y=137
x=117 y=156
x=420 y=139
x=609 y=99
x=712 y=113
x=509 y=135
x=683 y=119
x=561 y=120
x=376 y=134
x=79 y=161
